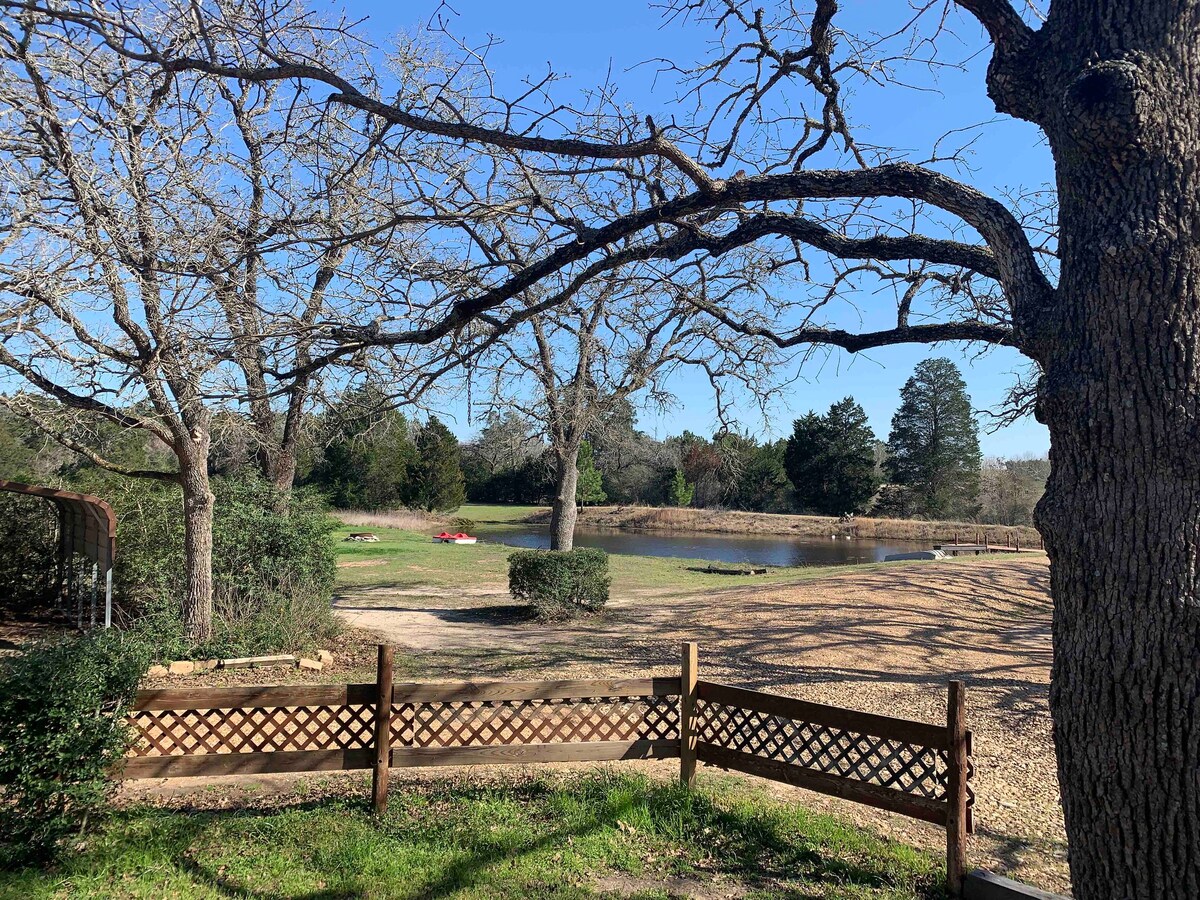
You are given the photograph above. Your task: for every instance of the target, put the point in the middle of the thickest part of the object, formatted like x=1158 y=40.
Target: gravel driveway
x=883 y=640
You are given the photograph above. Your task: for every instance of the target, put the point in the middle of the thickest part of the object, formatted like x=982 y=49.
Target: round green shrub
x=560 y=583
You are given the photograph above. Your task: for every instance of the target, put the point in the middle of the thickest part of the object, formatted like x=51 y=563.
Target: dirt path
x=884 y=640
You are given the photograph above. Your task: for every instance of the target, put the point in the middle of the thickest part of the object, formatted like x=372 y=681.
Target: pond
x=734 y=548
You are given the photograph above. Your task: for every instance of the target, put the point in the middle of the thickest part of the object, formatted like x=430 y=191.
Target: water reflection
x=761 y=550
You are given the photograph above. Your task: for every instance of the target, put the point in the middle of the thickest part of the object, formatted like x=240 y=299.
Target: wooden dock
x=978 y=549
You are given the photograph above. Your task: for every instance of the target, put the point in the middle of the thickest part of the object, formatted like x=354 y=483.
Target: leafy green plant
x=560 y=583
x=273 y=567
x=62 y=715
x=28 y=547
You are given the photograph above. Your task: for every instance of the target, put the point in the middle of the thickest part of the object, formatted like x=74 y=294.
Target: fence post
x=687 y=714
x=383 y=730
x=956 y=789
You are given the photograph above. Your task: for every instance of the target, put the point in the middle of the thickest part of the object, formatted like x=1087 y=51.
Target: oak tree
x=1095 y=280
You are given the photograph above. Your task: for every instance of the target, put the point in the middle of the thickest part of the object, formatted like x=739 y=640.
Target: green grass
x=565 y=837
x=498 y=513
x=406 y=559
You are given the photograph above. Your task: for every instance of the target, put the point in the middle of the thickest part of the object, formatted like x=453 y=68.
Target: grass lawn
x=604 y=834
x=498 y=513
x=409 y=559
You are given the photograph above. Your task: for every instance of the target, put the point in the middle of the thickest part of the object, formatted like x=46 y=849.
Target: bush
x=62 y=712
x=462 y=523
x=273 y=617
x=273 y=567
x=259 y=551
x=28 y=551
x=560 y=583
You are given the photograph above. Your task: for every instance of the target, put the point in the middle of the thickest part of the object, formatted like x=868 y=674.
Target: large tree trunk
x=198 y=504
x=1114 y=86
x=278 y=466
x=564 y=512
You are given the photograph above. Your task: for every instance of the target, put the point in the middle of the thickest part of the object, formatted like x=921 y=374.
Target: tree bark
x=563 y=511
x=1113 y=86
x=198 y=502
x=278 y=466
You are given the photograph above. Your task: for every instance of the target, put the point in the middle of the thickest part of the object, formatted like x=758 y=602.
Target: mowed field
x=883 y=638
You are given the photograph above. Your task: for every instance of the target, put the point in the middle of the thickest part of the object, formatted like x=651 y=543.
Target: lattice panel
x=482 y=723
x=188 y=732
x=911 y=768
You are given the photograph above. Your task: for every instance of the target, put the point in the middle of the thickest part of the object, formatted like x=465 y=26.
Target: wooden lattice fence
x=908 y=767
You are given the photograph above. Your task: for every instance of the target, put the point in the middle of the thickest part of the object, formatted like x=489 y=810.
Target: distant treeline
x=831 y=464
x=361 y=454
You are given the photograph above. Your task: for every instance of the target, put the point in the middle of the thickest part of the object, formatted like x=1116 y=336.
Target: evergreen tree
x=368 y=456
x=679 y=490
x=16 y=454
x=436 y=478
x=589 y=486
x=934 y=443
x=765 y=486
x=830 y=460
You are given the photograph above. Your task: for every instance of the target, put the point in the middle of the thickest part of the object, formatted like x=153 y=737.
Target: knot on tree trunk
x=1105 y=107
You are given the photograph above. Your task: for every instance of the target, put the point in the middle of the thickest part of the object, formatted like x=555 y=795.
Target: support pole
x=687 y=714
x=383 y=730
x=95 y=590
x=108 y=598
x=76 y=577
x=956 y=789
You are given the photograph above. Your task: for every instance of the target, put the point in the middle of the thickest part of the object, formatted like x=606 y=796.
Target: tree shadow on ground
x=755 y=850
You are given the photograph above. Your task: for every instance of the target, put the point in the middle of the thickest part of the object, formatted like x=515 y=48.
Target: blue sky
x=586 y=40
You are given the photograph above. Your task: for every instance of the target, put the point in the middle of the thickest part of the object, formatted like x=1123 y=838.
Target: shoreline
x=673 y=519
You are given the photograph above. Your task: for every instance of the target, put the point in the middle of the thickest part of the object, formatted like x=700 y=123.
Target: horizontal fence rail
x=913 y=768
x=224 y=731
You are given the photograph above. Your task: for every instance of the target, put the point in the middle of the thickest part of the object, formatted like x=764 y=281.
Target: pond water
x=733 y=548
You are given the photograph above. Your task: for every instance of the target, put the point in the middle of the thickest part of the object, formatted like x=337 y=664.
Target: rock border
x=195 y=667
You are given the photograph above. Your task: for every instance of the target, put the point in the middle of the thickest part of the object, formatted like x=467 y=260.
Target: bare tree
x=173 y=247
x=618 y=339
x=1108 y=305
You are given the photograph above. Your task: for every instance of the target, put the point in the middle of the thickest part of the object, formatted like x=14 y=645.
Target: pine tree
x=437 y=483
x=679 y=490
x=830 y=460
x=589 y=486
x=369 y=455
x=934 y=443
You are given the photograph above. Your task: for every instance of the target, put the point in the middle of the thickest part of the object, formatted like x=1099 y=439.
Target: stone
x=916 y=554
x=157 y=672
x=182 y=667
x=325 y=657
x=254 y=662
x=311 y=664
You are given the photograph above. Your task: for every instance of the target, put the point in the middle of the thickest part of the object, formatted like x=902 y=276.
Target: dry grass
x=404 y=519
x=654 y=518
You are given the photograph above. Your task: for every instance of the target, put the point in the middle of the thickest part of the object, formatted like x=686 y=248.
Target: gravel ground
x=885 y=640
